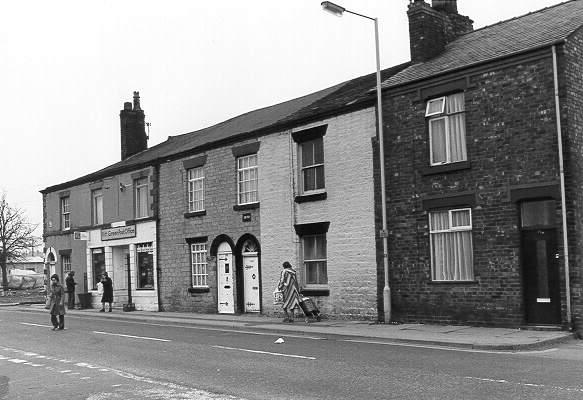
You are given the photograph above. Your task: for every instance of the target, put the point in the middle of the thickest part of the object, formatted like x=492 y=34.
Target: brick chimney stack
x=133 y=128
x=431 y=28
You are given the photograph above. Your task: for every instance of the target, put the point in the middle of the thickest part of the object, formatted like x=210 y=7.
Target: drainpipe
x=562 y=176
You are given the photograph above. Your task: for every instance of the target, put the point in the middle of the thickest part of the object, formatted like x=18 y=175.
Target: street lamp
x=338 y=11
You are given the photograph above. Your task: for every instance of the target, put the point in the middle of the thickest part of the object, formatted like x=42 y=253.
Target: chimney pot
x=448 y=6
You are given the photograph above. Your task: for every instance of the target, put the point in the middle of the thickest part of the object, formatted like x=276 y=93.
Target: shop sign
x=118 y=233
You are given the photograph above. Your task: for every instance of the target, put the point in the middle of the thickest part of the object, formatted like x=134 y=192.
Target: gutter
x=562 y=176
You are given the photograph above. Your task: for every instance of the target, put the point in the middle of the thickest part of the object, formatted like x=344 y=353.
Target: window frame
x=451 y=229
x=319 y=283
x=96 y=194
x=148 y=248
x=192 y=190
x=94 y=251
x=138 y=190
x=443 y=114
x=65 y=213
x=198 y=264
x=302 y=169
x=66 y=263
x=254 y=181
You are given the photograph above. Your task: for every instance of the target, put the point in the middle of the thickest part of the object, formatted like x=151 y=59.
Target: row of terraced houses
x=483 y=136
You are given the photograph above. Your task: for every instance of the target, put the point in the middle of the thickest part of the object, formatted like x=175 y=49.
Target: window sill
x=311 y=197
x=243 y=207
x=145 y=289
x=440 y=169
x=193 y=214
x=198 y=290
x=472 y=282
x=315 y=292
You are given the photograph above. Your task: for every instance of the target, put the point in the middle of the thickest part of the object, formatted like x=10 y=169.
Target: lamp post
x=338 y=11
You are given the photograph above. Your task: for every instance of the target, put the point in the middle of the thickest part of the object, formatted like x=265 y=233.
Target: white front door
x=226 y=298
x=251 y=282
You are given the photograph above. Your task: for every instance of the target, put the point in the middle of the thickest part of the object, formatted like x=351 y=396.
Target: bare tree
x=16 y=236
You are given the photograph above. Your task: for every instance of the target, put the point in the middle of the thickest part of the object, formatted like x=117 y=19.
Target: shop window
x=145 y=265
x=97 y=265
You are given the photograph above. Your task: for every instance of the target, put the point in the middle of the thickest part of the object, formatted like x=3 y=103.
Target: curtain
x=457 y=127
x=437 y=132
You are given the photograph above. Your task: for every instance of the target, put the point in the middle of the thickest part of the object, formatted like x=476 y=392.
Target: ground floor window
x=145 y=265
x=66 y=263
x=97 y=265
x=198 y=264
x=315 y=259
x=451 y=245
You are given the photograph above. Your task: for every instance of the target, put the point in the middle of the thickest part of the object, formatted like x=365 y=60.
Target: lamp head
x=333 y=8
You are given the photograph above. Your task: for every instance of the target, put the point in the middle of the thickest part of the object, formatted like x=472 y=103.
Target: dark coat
x=107 y=290
x=70 y=283
x=56 y=299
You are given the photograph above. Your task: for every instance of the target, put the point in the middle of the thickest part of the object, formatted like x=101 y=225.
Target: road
x=97 y=357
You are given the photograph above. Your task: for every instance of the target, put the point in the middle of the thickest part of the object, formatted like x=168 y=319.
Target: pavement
x=450 y=336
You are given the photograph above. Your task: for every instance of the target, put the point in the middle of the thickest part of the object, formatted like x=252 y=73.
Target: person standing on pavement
x=70 y=284
x=107 y=292
x=57 y=303
x=288 y=284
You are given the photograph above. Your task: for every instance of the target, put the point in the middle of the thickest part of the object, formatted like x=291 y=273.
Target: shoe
x=54 y=328
x=102 y=310
x=110 y=310
x=61 y=329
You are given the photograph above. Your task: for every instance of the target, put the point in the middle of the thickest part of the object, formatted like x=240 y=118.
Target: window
x=314 y=256
x=65 y=213
x=451 y=245
x=66 y=263
x=196 y=189
x=199 y=265
x=312 y=164
x=145 y=260
x=447 y=129
x=141 y=195
x=97 y=265
x=97 y=206
x=247 y=179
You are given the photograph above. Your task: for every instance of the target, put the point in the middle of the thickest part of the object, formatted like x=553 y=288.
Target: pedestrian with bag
x=107 y=296
x=56 y=303
x=70 y=284
x=288 y=285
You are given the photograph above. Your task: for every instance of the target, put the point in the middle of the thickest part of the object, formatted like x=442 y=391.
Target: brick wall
x=511 y=140
x=349 y=207
x=175 y=228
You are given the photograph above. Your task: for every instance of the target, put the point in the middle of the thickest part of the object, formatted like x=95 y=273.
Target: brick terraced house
x=483 y=139
x=483 y=149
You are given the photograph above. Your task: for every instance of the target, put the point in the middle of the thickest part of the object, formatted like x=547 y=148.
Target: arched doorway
x=250 y=276
x=225 y=284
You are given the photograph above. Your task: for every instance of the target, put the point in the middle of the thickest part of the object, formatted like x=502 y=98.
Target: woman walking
x=288 y=284
x=57 y=303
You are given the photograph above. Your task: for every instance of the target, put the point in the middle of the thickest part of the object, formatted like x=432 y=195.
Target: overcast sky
x=67 y=67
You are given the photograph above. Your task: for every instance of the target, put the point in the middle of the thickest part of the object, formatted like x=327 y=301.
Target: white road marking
x=433 y=347
x=132 y=336
x=265 y=352
x=536 y=385
x=30 y=324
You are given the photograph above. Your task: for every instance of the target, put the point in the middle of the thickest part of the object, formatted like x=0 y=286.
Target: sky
x=67 y=67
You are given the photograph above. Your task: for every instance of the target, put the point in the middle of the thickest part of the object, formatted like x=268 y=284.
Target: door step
x=541 y=327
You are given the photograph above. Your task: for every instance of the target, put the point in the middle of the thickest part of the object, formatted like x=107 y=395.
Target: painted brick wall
x=511 y=140
x=349 y=207
x=175 y=228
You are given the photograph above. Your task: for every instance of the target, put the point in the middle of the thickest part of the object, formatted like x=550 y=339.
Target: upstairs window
x=141 y=197
x=447 y=129
x=312 y=165
x=65 y=213
x=97 y=206
x=196 y=189
x=451 y=245
x=247 y=179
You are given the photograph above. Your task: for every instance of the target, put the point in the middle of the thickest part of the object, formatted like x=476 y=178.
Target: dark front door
x=541 y=276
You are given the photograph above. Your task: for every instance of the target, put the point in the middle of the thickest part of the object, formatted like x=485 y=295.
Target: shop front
x=128 y=254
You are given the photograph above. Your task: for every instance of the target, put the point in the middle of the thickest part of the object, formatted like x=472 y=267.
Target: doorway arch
x=248 y=274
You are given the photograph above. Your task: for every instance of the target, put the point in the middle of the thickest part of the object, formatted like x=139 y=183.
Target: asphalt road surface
x=97 y=357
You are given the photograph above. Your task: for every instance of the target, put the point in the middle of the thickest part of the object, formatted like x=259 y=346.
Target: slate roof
x=538 y=29
x=333 y=100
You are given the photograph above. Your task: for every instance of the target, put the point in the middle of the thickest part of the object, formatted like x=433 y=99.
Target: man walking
x=70 y=284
